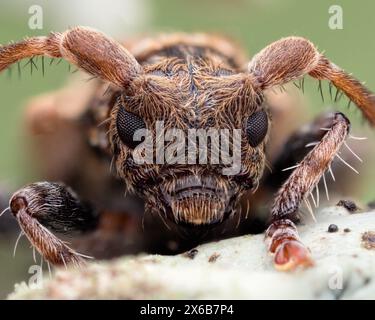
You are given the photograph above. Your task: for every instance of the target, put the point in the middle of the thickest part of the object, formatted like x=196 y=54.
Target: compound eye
x=257 y=127
x=127 y=124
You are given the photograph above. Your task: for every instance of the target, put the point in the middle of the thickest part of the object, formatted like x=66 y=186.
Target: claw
x=291 y=255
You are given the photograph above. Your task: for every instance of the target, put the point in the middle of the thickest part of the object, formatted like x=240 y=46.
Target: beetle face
x=190 y=142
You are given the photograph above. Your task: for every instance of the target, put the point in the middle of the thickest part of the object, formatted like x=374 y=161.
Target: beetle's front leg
x=44 y=206
x=282 y=235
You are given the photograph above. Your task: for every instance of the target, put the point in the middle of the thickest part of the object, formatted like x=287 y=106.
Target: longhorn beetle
x=187 y=81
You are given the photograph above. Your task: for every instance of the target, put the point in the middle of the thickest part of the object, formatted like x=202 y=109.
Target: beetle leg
x=282 y=236
x=296 y=148
x=44 y=206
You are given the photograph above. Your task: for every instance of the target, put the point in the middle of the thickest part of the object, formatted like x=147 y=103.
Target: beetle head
x=189 y=136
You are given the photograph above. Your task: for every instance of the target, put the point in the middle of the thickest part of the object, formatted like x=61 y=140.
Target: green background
x=254 y=23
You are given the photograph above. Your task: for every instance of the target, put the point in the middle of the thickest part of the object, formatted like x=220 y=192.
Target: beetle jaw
x=198 y=201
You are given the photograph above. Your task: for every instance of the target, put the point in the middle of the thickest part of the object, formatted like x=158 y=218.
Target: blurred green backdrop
x=255 y=23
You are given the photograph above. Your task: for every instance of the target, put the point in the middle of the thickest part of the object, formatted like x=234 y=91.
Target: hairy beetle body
x=214 y=120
